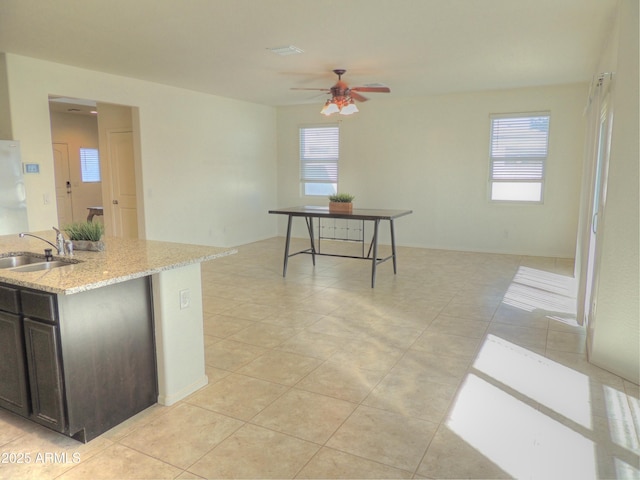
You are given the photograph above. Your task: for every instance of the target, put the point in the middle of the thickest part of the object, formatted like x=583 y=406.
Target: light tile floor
x=464 y=365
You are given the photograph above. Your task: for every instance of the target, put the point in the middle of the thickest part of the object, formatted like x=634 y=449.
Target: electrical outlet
x=185 y=299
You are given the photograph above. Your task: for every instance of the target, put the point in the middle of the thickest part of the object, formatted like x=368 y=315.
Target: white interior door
x=123 y=184
x=62 y=173
x=602 y=145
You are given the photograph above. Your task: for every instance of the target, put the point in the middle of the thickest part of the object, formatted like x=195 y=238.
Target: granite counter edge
x=110 y=281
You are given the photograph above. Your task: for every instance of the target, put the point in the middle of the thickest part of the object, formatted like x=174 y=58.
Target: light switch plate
x=185 y=299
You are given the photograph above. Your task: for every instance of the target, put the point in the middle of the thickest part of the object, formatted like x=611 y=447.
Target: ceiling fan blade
x=341 y=92
x=357 y=96
x=372 y=89
x=320 y=89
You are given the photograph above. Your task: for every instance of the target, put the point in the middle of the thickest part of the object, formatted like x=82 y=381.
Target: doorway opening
x=94 y=148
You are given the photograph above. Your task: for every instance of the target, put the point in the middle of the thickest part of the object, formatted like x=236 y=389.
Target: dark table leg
x=393 y=245
x=374 y=260
x=286 y=246
x=311 y=239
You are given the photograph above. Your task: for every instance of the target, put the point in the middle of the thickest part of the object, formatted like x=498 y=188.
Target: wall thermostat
x=31 y=168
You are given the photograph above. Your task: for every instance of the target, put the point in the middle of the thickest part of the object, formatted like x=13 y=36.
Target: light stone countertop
x=122 y=260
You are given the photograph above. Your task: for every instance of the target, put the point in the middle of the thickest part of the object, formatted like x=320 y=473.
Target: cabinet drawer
x=39 y=305
x=9 y=299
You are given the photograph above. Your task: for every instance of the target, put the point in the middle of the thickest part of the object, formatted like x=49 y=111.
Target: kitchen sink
x=19 y=260
x=31 y=262
x=34 y=267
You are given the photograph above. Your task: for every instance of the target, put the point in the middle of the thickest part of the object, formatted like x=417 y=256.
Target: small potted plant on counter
x=341 y=203
x=86 y=236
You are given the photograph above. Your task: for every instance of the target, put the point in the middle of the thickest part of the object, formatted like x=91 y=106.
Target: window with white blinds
x=519 y=148
x=319 y=154
x=90 y=165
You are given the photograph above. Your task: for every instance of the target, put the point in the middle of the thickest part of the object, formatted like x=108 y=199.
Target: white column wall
x=179 y=333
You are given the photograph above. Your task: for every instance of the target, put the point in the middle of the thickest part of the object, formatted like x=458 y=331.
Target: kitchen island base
x=90 y=357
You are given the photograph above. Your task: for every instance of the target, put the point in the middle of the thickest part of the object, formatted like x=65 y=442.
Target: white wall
x=614 y=335
x=430 y=154
x=211 y=175
x=5 y=114
x=208 y=163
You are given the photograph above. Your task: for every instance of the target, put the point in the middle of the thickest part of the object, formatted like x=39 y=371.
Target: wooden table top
x=356 y=214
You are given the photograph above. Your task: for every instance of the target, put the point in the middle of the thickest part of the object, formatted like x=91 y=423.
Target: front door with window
x=62 y=173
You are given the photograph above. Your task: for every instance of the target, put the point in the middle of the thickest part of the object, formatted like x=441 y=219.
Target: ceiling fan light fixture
x=330 y=108
x=349 y=108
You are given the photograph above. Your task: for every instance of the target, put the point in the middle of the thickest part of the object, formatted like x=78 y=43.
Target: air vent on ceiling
x=284 y=51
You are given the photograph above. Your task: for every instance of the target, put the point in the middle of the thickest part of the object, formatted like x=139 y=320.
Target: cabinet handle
x=115 y=202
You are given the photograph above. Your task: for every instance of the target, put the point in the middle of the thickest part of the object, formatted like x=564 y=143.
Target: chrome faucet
x=59 y=240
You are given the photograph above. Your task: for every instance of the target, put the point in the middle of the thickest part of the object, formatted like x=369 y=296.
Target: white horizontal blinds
x=518 y=151
x=517 y=170
x=519 y=146
x=319 y=153
x=90 y=164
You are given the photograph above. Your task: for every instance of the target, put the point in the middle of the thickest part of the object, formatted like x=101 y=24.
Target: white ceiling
x=415 y=47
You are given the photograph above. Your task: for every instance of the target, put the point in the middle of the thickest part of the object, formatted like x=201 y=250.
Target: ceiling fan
x=343 y=97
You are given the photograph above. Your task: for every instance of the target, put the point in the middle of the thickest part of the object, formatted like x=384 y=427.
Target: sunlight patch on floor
x=624 y=470
x=622 y=427
x=549 y=383
x=519 y=439
x=567 y=319
x=533 y=289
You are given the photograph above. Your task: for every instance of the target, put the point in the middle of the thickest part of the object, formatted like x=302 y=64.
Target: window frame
x=524 y=177
x=305 y=180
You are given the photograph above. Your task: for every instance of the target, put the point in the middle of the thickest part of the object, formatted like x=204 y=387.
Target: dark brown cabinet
x=45 y=375
x=13 y=383
x=79 y=364
x=30 y=371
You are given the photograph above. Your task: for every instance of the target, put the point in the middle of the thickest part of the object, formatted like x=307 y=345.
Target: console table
x=94 y=211
x=374 y=215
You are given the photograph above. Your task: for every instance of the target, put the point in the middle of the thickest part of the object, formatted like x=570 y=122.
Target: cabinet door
x=45 y=379
x=13 y=383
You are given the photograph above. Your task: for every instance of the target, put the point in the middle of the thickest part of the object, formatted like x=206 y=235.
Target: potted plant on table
x=86 y=236
x=341 y=203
